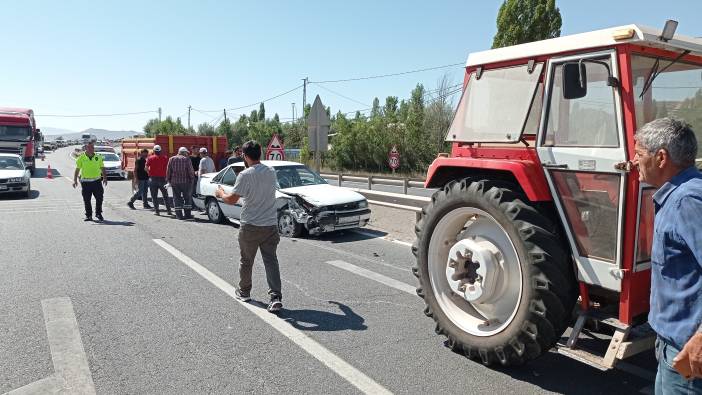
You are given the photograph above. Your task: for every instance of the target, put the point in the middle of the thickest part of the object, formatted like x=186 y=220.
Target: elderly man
x=91 y=170
x=665 y=157
x=180 y=175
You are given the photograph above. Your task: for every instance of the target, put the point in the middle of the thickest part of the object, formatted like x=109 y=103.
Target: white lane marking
x=53 y=384
x=354 y=376
x=67 y=350
x=400 y=242
x=351 y=254
x=390 y=282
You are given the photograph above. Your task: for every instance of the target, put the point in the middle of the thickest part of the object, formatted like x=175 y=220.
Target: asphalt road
x=150 y=298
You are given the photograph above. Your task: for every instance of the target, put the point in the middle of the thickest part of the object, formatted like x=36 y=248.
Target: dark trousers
x=251 y=238
x=182 y=198
x=88 y=190
x=142 y=193
x=159 y=184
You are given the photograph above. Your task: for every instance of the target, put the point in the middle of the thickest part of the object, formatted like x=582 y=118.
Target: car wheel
x=214 y=212
x=287 y=226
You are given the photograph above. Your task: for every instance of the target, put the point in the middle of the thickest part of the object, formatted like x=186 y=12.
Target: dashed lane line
x=390 y=282
x=354 y=376
x=369 y=234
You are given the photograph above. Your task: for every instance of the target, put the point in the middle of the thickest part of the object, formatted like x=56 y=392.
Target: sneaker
x=147 y=206
x=99 y=217
x=131 y=205
x=275 y=305
x=242 y=296
x=86 y=219
x=157 y=212
x=169 y=212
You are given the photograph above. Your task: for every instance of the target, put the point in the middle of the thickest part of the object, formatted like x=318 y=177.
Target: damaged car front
x=310 y=203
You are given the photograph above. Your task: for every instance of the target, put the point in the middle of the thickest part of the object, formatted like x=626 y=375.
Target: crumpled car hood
x=325 y=194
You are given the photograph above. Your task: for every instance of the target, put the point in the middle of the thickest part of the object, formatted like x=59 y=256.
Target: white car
x=14 y=176
x=113 y=165
x=304 y=200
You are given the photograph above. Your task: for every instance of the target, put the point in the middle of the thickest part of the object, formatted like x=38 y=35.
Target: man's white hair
x=673 y=135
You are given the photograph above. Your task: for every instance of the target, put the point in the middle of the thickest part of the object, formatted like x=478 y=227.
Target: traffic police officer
x=91 y=170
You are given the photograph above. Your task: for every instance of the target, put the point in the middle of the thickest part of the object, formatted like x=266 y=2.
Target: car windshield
x=14 y=132
x=297 y=176
x=110 y=157
x=7 y=163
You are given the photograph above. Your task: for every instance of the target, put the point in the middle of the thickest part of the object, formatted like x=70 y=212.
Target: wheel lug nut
x=452 y=263
x=462 y=288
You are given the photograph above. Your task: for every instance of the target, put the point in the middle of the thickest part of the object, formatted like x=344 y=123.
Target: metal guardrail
x=405 y=182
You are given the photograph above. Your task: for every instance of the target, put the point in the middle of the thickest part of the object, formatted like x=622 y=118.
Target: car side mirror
x=574 y=81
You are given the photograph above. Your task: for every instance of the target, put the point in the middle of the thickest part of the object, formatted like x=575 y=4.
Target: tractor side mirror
x=574 y=81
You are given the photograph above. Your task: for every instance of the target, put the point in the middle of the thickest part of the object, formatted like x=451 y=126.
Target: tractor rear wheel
x=495 y=278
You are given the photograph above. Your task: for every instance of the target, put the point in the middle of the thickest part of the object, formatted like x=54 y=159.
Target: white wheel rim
x=475 y=229
x=213 y=211
x=285 y=224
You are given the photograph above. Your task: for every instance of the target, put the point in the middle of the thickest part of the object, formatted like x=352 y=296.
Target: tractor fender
x=524 y=172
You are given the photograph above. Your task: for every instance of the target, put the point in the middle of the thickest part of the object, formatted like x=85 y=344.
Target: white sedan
x=14 y=176
x=113 y=165
x=304 y=200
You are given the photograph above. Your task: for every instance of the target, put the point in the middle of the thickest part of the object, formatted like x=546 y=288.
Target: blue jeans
x=142 y=193
x=668 y=380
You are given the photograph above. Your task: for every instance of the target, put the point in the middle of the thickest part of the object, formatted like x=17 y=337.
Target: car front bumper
x=14 y=187
x=116 y=173
x=329 y=221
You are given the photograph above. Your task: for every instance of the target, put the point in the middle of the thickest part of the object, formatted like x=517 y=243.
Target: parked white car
x=14 y=176
x=304 y=200
x=113 y=165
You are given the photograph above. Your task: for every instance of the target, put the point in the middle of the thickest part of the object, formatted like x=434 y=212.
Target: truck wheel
x=214 y=212
x=498 y=284
x=287 y=226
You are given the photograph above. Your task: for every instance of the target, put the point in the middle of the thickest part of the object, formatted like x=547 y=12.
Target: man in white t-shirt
x=259 y=223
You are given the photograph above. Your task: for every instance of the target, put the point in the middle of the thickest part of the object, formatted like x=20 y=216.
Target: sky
x=112 y=57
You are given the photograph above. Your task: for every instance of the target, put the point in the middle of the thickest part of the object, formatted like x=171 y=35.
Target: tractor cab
x=540 y=177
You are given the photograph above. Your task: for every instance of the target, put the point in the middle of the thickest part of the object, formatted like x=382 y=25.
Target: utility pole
x=225 y=115
x=293 y=113
x=189 y=108
x=304 y=96
x=159 y=114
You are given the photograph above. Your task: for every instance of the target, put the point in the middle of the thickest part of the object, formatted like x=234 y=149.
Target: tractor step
x=626 y=341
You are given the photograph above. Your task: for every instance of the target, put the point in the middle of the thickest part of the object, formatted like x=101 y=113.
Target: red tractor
x=539 y=207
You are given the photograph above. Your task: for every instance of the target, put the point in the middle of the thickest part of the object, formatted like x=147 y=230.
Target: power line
x=259 y=101
x=96 y=115
x=388 y=75
x=340 y=95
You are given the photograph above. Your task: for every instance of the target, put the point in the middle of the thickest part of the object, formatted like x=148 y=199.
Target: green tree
x=205 y=129
x=523 y=21
x=225 y=129
x=261 y=112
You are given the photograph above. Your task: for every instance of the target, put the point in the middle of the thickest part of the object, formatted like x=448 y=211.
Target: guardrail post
x=370 y=182
x=405 y=184
x=340 y=178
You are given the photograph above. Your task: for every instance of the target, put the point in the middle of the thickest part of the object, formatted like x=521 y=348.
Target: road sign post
x=275 y=149
x=318 y=130
x=394 y=158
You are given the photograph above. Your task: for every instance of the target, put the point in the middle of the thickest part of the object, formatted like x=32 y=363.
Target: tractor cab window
x=589 y=121
x=494 y=107
x=676 y=92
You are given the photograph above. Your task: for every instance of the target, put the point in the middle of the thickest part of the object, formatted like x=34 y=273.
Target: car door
x=227 y=182
x=580 y=142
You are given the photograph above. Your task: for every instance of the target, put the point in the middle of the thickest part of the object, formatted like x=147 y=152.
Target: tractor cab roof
x=628 y=34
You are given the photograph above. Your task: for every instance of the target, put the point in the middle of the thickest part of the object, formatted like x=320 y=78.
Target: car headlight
x=363 y=204
x=16 y=179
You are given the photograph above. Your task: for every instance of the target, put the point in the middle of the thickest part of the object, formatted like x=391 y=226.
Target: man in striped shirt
x=180 y=175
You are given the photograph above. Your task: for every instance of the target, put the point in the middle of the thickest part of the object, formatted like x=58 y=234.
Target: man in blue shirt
x=665 y=157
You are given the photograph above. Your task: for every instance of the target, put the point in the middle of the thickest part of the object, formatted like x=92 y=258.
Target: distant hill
x=51 y=133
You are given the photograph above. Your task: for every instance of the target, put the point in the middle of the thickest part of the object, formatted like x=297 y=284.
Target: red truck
x=216 y=146
x=19 y=134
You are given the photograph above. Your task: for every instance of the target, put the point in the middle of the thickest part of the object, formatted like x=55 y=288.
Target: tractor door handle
x=555 y=166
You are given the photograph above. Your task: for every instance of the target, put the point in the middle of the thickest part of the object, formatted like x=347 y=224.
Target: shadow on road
x=9 y=197
x=41 y=172
x=349 y=236
x=321 y=321
x=115 y=223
